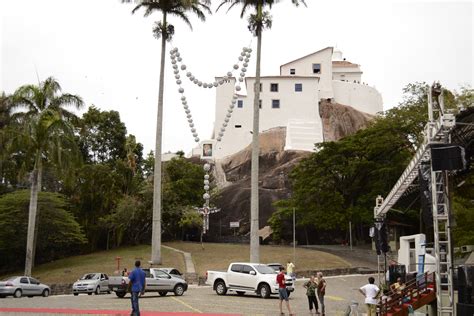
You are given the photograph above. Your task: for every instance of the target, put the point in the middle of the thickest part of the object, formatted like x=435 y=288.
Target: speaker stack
x=465 y=305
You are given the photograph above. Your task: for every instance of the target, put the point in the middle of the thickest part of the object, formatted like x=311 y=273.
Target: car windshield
x=264 y=269
x=90 y=276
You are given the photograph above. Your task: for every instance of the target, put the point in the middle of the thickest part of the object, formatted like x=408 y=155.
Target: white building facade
x=291 y=100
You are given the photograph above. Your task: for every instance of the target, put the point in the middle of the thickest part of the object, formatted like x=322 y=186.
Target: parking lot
x=341 y=291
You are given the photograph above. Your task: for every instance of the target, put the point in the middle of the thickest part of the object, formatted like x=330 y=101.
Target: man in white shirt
x=370 y=291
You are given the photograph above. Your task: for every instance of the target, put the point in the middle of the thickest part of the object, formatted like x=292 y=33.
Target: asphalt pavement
x=202 y=300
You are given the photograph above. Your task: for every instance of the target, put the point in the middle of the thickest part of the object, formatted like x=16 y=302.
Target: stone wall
x=61 y=288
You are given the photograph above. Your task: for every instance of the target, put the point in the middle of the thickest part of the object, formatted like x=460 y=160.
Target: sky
x=97 y=49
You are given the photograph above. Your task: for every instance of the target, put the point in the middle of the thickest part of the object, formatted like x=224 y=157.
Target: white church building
x=291 y=100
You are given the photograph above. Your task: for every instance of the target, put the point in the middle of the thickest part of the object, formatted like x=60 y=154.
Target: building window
x=316 y=68
x=240 y=103
x=238 y=126
x=298 y=87
x=292 y=71
x=259 y=104
x=260 y=87
x=275 y=104
x=274 y=87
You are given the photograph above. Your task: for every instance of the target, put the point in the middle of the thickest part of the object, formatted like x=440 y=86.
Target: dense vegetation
x=97 y=186
x=338 y=184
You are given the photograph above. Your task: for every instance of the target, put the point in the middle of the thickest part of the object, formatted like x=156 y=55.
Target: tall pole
x=156 y=222
x=294 y=235
x=254 y=211
x=350 y=234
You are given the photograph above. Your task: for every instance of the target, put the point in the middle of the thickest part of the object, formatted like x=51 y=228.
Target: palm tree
x=258 y=21
x=4 y=121
x=165 y=31
x=44 y=133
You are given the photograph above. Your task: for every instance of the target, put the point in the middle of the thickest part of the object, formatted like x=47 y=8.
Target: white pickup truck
x=243 y=277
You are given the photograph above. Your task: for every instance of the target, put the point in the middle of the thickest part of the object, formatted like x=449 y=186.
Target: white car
x=244 y=277
x=23 y=286
x=91 y=283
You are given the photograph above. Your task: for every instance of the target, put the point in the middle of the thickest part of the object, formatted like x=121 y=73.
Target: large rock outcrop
x=233 y=173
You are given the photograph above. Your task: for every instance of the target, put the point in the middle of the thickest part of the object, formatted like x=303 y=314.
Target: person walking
x=290 y=269
x=311 y=287
x=321 y=291
x=137 y=287
x=282 y=291
x=370 y=291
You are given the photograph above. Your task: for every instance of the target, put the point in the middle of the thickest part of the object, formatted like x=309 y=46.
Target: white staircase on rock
x=302 y=134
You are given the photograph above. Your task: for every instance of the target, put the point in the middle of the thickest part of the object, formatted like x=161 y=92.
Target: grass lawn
x=214 y=257
x=70 y=269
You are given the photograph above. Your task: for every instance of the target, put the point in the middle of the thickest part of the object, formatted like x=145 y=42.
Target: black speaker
x=464 y=309
x=381 y=238
x=447 y=157
x=424 y=176
x=466 y=284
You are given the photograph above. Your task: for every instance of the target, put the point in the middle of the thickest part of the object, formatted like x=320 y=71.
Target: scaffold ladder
x=437 y=131
x=441 y=214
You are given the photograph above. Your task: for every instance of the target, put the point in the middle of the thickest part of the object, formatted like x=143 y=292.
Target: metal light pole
x=294 y=235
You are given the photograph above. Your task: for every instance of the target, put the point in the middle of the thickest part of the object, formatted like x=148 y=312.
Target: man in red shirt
x=282 y=291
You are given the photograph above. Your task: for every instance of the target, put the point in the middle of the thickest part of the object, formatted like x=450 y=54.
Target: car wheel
x=220 y=288
x=30 y=296
x=288 y=293
x=179 y=290
x=162 y=293
x=45 y=293
x=17 y=293
x=76 y=294
x=120 y=294
x=89 y=293
x=97 y=290
x=108 y=292
x=240 y=293
x=264 y=291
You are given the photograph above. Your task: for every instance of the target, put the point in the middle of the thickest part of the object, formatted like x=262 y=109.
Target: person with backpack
x=311 y=287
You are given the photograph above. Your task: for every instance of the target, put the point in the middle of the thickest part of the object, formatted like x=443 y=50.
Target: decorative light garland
x=177 y=65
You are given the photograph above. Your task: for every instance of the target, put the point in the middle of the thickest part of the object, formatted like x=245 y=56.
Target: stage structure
x=435 y=149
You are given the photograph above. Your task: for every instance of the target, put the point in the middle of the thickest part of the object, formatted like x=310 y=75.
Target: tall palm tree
x=4 y=121
x=165 y=31
x=44 y=133
x=258 y=21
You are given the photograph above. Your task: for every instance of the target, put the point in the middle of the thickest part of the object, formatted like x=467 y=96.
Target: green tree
x=165 y=31
x=182 y=188
x=102 y=136
x=258 y=21
x=46 y=135
x=59 y=233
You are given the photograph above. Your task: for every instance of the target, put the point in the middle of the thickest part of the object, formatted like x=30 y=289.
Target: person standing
x=137 y=287
x=321 y=291
x=290 y=269
x=283 y=294
x=370 y=291
x=311 y=287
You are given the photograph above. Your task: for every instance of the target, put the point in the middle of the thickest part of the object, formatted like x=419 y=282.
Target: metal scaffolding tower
x=437 y=131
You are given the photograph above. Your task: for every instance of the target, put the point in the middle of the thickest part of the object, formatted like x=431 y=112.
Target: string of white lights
x=178 y=66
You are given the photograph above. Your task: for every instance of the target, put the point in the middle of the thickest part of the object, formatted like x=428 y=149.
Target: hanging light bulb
x=196 y=139
x=181 y=90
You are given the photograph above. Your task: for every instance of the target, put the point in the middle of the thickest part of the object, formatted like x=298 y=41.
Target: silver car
x=19 y=286
x=91 y=283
